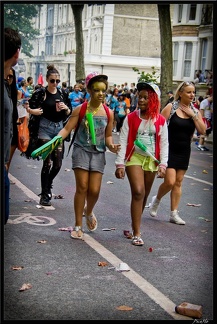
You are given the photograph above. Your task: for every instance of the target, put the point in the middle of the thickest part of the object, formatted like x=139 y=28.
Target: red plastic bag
x=207 y=123
x=23 y=134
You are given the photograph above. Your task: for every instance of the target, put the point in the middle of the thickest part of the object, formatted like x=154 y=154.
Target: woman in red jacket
x=144 y=151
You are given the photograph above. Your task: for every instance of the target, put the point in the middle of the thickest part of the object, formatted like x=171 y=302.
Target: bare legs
x=140 y=184
x=172 y=182
x=87 y=189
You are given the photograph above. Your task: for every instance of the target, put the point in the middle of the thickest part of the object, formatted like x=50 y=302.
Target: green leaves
x=147 y=77
x=19 y=17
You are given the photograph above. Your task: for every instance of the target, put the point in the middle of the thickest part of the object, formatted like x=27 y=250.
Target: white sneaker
x=174 y=218
x=200 y=148
x=154 y=206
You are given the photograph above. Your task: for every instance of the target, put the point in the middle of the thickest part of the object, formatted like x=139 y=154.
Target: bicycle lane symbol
x=32 y=220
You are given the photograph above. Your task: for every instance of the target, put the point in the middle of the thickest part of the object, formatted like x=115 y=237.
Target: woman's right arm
x=166 y=111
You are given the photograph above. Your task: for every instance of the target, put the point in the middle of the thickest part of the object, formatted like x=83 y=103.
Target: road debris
x=25 y=286
x=124 y=308
x=102 y=263
x=194 y=205
x=17 y=268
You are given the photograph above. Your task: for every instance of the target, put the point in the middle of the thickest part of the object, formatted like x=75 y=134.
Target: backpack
x=81 y=116
x=36 y=101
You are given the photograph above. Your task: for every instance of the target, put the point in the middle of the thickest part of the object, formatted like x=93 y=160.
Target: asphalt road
x=66 y=280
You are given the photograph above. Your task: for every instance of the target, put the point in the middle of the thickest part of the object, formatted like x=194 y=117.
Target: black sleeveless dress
x=180 y=132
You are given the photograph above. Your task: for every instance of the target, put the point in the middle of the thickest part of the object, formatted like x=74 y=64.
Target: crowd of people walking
x=152 y=141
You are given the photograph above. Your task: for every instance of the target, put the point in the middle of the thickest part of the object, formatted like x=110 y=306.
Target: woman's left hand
x=114 y=148
x=161 y=172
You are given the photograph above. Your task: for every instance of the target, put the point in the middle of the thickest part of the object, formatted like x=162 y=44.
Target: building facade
x=118 y=37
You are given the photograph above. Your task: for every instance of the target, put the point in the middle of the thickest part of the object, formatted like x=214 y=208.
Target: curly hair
x=153 y=103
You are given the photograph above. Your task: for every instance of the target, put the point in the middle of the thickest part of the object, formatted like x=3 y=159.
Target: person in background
x=19 y=79
x=133 y=86
x=30 y=86
x=76 y=97
x=88 y=159
x=170 y=96
x=38 y=86
x=86 y=95
x=144 y=126
x=134 y=100
x=108 y=97
x=114 y=103
x=127 y=98
x=182 y=119
x=24 y=89
x=125 y=87
x=197 y=106
x=65 y=92
x=199 y=77
x=12 y=45
x=15 y=96
x=51 y=122
x=120 y=112
x=206 y=109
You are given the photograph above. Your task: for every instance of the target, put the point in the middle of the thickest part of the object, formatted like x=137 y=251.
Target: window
x=180 y=13
x=49 y=45
x=175 y=57
x=204 y=54
x=60 y=15
x=206 y=14
x=192 y=14
x=187 y=59
x=50 y=16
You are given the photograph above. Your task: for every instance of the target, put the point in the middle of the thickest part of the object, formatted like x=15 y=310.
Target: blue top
x=76 y=98
x=114 y=103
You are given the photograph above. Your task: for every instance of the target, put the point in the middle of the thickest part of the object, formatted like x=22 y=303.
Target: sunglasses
x=185 y=84
x=10 y=76
x=53 y=80
x=188 y=83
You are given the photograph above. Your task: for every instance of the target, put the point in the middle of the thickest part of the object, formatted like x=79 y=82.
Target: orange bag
x=23 y=134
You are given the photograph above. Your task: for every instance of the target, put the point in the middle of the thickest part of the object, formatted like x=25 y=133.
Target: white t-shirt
x=206 y=106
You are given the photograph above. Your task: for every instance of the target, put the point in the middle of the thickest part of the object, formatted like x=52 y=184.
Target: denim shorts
x=49 y=129
x=88 y=160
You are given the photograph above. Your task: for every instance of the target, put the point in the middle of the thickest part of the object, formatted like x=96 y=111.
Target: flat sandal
x=77 y=229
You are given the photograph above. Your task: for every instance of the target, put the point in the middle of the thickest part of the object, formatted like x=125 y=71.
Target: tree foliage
x=19 y=16
x=147 y=77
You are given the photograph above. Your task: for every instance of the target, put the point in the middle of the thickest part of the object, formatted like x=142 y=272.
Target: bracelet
x=163 y=166
x=120 y=166
x=195 y=117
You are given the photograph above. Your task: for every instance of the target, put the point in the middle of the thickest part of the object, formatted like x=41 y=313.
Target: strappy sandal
x=91 y=222
x=137 y=240
x=78 y=233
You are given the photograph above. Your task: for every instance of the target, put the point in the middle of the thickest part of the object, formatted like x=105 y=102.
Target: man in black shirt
x=171 y=97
